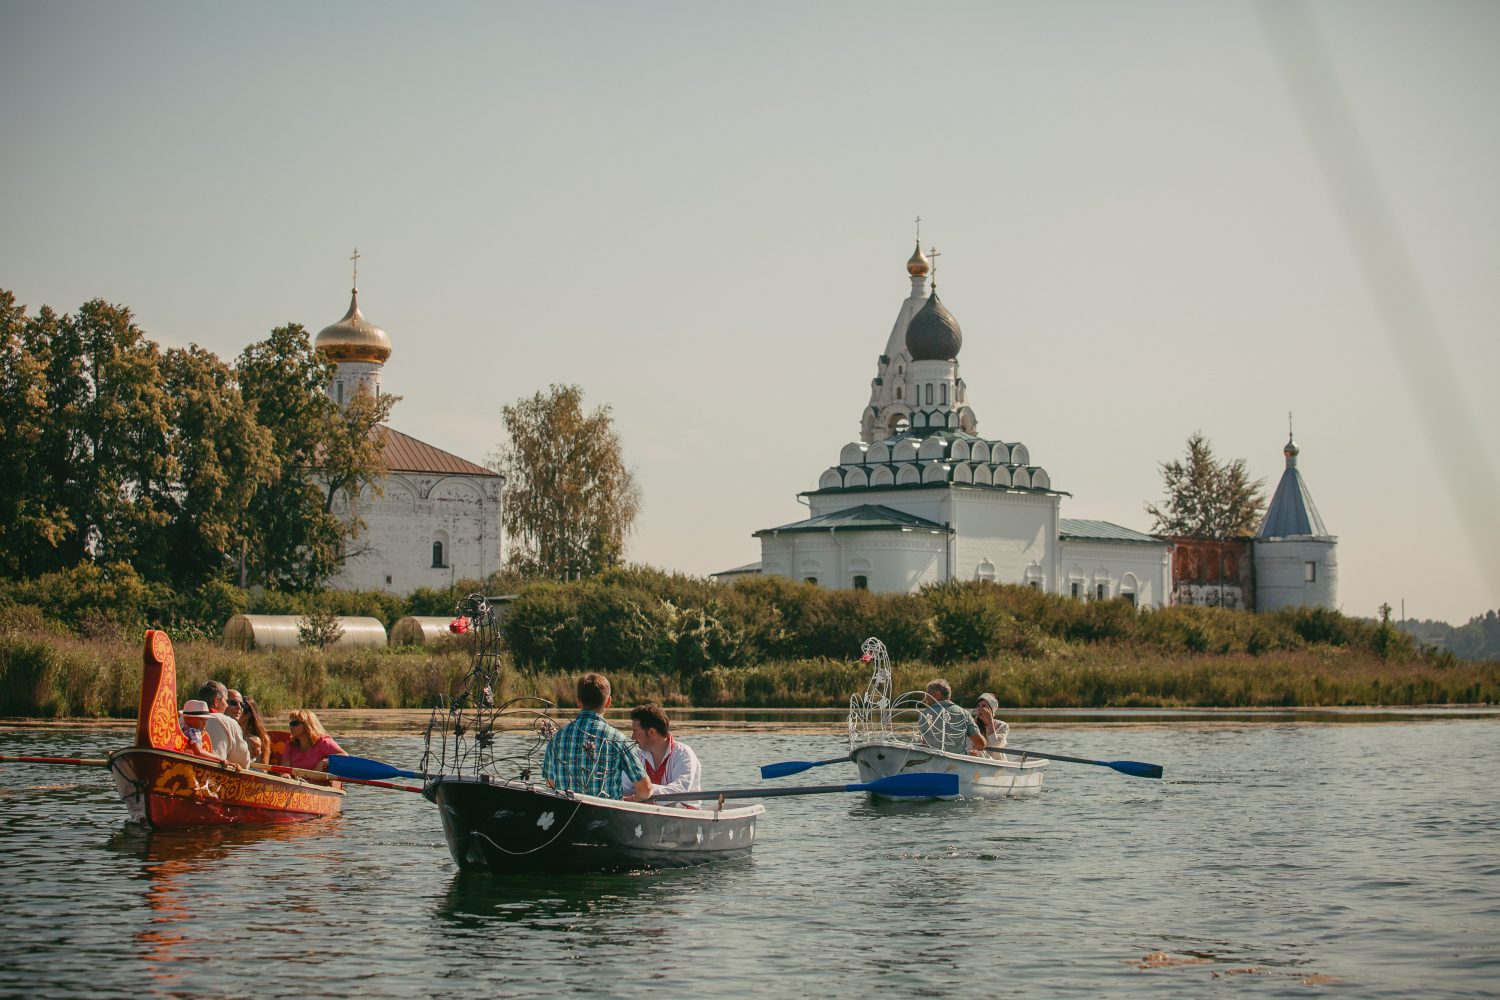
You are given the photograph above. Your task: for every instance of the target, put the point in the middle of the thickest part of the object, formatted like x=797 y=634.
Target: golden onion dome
x=354 y=338
x=918 y=263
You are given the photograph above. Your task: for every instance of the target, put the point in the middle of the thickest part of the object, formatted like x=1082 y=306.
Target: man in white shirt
x=227 y=737
x=670 y=764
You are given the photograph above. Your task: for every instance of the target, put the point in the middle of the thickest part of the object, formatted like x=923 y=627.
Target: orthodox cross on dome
x=355 y=257
x=919 y=230
x=933 y=253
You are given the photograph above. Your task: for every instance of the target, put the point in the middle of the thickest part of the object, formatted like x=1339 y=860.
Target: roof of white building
x=404 y=453
x=1101 y=531
x=866 y=517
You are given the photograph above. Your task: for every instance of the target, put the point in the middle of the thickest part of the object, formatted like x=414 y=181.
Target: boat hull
x=165 y=789
x=978 y=777
x=514 y=827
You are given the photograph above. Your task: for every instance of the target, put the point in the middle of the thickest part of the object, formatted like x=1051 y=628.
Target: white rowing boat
x=895 y=735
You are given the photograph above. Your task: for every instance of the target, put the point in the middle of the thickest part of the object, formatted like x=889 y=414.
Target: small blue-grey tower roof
x=1292 y=511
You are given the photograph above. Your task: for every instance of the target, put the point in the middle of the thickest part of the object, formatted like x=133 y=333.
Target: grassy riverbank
x=47 y=675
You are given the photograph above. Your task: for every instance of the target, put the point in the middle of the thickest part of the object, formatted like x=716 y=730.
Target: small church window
x=1310 y=572
x=810 y=579
x=1129 y=599
x=1099 y=592
x=943 y=393
x=898 y=392
x=1077 y=587
x=340 y=387
x=861 y=583
x=437 y=556
x=929 y=392
x=1035 y=585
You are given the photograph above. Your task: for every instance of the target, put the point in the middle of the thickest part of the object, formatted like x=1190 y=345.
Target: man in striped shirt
x=590 y=756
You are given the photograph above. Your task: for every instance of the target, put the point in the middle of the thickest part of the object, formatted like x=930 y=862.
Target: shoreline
x=412 y=722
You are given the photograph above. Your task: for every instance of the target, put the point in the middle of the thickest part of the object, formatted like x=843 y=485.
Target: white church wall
x=395 y=551
x=891 y=561
x=1140 y=568
x=1006 y=534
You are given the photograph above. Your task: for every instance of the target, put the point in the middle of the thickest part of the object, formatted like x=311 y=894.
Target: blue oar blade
x=787 y=767
x=1135 y=767
x=918 y=784
x=343 y=766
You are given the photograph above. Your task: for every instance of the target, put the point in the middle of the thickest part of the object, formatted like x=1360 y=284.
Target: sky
x=1154 y=218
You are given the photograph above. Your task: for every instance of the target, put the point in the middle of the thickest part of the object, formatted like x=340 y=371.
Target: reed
x=47 y=674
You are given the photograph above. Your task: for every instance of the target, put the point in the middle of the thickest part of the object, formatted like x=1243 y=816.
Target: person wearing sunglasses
x=310 y=746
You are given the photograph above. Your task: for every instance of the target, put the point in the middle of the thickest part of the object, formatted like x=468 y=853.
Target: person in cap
x=670 y=764
x=194 y=714
x=995 y=731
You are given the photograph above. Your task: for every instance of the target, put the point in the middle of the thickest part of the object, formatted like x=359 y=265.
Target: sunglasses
x=236 y=704
x=295 y=722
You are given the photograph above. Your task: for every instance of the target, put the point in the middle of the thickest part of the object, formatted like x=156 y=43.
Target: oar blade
x=912 y=784
x=363 y=768
x=786 y=768
x=1134 y=767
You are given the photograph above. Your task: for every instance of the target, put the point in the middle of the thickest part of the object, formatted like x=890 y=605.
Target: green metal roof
x=866 y=517
x=1101 y=531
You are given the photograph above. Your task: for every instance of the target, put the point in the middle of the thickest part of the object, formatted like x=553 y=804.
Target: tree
x=569 y=499
x=223 y=458
x=1206 y=498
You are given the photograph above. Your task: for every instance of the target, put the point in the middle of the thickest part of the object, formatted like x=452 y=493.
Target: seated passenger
x=670 y=764
x=995 y=731
x=228 y=738
x=309 y=746
x=588 y=755
x=256 y=736
x=195 y=715
x=943 y=725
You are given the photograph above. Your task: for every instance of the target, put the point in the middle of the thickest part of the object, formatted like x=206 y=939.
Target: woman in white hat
x=995 y=731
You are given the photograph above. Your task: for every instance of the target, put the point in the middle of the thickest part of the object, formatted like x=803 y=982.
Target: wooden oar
x=789 y=767
x=364 y=769
x=1132 y=767
x=324 y=776
x=919 y=784
x=79 y=761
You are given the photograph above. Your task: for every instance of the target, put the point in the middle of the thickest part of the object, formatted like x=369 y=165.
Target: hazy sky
x=701 y=213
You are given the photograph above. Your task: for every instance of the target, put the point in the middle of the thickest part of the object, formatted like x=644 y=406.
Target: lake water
x=1352 y=859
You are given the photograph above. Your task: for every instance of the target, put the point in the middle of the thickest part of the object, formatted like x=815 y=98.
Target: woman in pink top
x=310 y=747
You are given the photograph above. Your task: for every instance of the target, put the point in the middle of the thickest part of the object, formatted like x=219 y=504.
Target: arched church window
x=898 y=392
x=943 y=393
x=929 y=393
x=340 y=387
x=861 y=583
x=437 y=555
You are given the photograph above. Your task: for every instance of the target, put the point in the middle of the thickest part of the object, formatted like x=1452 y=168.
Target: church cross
x=355 y=257
x=933 y=253
x=919 y=230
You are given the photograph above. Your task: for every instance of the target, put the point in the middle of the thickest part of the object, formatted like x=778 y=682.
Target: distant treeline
x=1477 y=639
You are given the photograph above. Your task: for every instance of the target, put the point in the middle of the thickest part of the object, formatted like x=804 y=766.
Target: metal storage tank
x=420 y=630
x=280 y=632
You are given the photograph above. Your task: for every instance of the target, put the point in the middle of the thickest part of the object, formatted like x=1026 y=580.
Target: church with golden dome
x=437 y=517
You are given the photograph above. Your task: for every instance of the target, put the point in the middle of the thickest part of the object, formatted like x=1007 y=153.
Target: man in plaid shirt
x=590 y=756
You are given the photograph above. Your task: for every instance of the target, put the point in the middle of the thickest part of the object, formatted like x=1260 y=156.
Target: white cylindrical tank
x=420 y=630
x=283 y=632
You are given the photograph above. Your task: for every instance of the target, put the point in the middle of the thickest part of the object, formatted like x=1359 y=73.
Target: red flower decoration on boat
x=459 y=625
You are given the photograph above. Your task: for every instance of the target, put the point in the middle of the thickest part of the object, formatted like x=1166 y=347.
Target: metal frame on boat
x=481 y=769
x=891 y=735
x=165 y=785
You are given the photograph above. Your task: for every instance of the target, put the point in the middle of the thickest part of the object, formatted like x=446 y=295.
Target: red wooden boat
x=166 y=785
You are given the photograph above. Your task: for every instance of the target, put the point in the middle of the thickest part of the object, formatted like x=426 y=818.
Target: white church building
x=438 y=518
x=921 y=497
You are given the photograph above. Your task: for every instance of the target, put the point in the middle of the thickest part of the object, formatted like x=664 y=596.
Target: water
x=1352 y=859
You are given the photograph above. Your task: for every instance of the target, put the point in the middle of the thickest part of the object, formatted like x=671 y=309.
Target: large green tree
x=1206 y=498
x=569 y=499
x=224 y=457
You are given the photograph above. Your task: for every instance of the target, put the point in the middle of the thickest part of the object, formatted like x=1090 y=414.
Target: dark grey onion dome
x=933 y=334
